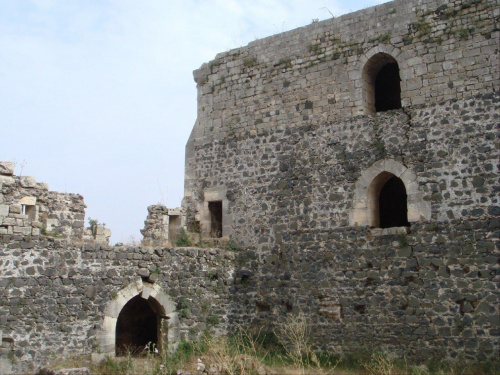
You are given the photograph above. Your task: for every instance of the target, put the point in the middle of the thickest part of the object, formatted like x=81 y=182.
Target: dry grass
x=287 y=351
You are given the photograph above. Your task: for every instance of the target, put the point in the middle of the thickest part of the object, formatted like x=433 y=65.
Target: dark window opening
x=393 y=204
x=215 y=209
x=137 y=327
x=388 y=88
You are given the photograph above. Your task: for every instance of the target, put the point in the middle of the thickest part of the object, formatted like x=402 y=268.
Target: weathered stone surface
x=6 y=168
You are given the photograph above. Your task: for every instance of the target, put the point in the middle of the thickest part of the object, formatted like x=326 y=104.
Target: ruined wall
x=29 y=208
x=162 y=225
x=286 y=139
x=286 y=142
x=54 y=295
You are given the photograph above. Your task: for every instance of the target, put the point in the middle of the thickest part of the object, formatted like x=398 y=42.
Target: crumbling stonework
x=293 y=163
x=28 y=208
x=162 y=226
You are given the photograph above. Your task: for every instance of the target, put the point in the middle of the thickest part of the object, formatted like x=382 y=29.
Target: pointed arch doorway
x=139 y=314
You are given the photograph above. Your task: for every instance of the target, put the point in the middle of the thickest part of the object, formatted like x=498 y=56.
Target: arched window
x=387 y=201
x=381 y=84
x=387 y=195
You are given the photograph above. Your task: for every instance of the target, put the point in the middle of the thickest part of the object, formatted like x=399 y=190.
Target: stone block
x=7 y=180
x=27 y=201
x=22 y=230
x=27 y=182
x=16 y=209
x=74 y=371
x=4 y=210
x=6 y=168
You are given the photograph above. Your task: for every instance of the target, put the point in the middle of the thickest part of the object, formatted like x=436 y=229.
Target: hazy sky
x=98 y=98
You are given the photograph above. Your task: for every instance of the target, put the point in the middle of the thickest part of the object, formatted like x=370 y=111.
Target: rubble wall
x=61 y=214
x=285 y=139
x=53 y=295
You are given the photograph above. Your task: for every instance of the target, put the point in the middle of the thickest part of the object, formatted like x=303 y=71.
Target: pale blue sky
x=98 y=95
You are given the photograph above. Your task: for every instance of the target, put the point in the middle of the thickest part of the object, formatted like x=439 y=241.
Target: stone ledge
x=390 y=231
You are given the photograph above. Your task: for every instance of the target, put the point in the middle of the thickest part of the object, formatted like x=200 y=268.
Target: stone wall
x=29 y=208
x=431 y=293
x=287 y=146
x=287 y=139
x=55 y=296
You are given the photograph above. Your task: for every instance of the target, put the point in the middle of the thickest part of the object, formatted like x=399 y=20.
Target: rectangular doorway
x=215 y=209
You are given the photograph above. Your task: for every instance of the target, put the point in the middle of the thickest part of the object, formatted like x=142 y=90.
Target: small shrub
x=183 y=240
x=402 y=239
x=380 y=363
x=383 y=38
x=205 y=307
x=286 y=62
x=463 y=34
x=423 y=28
x=109 y=366
x=314 y=48
x=212 y=320
x=379 y=145
x=294 y=333
x=419 y=370
x=45 y=232
x=93 y=222
x=249 y=61
x=231 y=246
x=183 y=308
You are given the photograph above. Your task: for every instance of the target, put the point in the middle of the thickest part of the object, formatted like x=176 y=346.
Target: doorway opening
x=215 y=209
x=138 y=327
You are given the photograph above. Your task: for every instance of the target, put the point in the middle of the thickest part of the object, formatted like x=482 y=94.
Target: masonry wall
x=284 y=138
x=430 y=294
x=61 y=214
x=53 y=295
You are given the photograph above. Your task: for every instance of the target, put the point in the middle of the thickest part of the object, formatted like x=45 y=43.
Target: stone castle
x=347 y=169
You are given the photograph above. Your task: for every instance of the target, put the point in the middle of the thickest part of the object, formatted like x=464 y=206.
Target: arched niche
x=143 y=297
x=367 y=64
x=366 y=204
